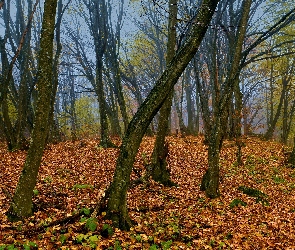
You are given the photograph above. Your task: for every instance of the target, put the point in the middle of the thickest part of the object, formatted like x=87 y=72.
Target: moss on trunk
x=117 y=204
x=21 y=205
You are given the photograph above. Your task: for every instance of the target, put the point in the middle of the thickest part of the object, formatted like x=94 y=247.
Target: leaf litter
x=74 y=175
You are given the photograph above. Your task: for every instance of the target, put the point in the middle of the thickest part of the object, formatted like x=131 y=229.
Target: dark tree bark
x=24 y=92
x=54 y=134
x=114 y=43
x=15 y=137
x=237 y=120
x=158 y=166
x=98 y=27
x=190 y=104
x=8 y=128
x=117 y=202
x=271 y=128
x=210 y=182
x=21 y=205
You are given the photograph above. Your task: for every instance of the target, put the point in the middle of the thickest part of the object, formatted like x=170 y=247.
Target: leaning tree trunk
x=158 y=166
x=21 y=205
x=117 y=202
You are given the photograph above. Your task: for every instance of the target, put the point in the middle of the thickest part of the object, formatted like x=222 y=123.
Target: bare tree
x=21 y=205
x=117 y=192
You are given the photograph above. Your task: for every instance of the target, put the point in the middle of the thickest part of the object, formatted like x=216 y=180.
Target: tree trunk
x=117 y=203
x=55 y=134
x=182 y=127
x=25 y=77
x=99 y=32
x=21 y=205
x=158 y=166
x=237 y=120
x=211 y=178
x=269 y=133
x=189 y=101
x=203 y=100
x=9 y=132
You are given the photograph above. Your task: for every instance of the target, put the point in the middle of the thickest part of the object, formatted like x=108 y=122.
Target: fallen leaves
x=74 y=175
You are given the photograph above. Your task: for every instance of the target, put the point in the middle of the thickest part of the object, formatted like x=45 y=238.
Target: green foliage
x=12 y=111
x=27 y=246
x=88 y=240
x=93 y=239
x=277 y=179
x=229 y=236
x=260 y=196
x=82 y=186
x=250 y=160
x=30 y=245
x=85 y=210
x=107 y=230
x=87 y=118
x=153 y=247
x=237 y=202
x=117 y=245
x=62 y=239
x=83 y=219
x=48 y=179
x=35 y=192
x=91 y=224
x=11 y=247
x=80 y=238
x=212 y=242
x=166 y=244
x=138 y=237
x=87 y=115
x=251 y=191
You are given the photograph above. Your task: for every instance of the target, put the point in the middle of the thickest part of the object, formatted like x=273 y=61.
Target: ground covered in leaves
x=256 y=209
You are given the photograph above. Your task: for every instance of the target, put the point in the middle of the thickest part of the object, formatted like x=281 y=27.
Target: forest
x=147 y=124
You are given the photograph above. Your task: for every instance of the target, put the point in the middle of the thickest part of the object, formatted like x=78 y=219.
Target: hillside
x=74 y=175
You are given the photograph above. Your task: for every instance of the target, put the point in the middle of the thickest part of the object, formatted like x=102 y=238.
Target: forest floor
x=73 y=177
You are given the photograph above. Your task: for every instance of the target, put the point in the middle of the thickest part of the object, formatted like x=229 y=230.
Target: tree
x=210 y=181
x=117 y=192
x=21 y=205
x=230 y=90
x=158 y=165
x=20 y=98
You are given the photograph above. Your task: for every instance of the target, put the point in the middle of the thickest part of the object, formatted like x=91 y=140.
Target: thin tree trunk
x=269 y=133
x=190 y=107
x=23 y=103
x=54 y=134
x=237 y=120
x=159 y=170
x=8 y=128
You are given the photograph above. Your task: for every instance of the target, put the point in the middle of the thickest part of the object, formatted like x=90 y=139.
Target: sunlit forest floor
x=74 y=175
